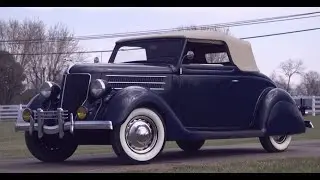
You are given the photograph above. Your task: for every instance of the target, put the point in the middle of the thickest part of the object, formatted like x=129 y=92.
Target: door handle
x=235 y=80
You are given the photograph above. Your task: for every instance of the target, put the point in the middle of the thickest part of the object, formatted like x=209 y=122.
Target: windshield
x=151 y=51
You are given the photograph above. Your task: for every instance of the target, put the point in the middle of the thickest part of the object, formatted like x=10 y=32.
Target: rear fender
x=278 y=114
x=126 y=100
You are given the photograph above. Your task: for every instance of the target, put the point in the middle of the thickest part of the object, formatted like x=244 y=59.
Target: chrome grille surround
x=75 y=91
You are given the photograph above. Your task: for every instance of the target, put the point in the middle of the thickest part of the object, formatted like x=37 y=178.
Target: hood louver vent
x=122 y=81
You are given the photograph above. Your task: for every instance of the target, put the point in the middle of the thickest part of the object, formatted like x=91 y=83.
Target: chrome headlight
x=48 y=89
x=97 y=88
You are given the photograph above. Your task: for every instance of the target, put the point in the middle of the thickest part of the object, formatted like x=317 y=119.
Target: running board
x=226 y=134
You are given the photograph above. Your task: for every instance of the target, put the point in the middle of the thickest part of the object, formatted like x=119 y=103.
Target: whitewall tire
x=141 y=137
x=276 y=143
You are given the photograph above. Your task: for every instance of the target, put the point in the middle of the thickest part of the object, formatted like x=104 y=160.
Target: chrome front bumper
x=60 y=116
x=308 y=124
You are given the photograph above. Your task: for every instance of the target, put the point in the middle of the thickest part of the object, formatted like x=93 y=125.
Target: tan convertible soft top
x=240 y=50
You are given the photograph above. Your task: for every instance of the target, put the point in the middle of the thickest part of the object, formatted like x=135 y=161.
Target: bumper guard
x=60 y=116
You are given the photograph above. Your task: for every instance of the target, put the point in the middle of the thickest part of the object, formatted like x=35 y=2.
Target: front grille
x=75 y=91
x=122 y=81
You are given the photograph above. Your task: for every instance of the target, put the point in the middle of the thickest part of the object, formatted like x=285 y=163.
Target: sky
x=268 y=51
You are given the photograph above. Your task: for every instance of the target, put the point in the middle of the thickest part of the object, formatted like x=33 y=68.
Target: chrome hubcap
x=279 y=139
x=141 y=134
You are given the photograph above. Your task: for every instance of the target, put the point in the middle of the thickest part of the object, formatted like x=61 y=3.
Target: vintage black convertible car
x=187 y=87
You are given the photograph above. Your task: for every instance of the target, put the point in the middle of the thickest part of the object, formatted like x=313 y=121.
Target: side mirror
x=96 y=60
x=190 y=55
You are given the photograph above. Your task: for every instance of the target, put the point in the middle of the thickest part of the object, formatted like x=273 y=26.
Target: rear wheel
x=275 y=143
x=140 y=138
x=190 y=146
x=50 y=148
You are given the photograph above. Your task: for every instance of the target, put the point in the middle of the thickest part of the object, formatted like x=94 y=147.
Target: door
x=207 y=83
x=205 y=97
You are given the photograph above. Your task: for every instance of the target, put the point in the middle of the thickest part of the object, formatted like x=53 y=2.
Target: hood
x=120 y=69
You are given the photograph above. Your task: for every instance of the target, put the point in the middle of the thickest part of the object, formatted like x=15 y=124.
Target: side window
x=126 y=53
x=207 y=53
x=214 y=58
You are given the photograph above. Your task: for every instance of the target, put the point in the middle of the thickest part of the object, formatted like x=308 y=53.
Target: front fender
x=36 y=102
x=278 y=114
x=126 y=100
x=39 y=101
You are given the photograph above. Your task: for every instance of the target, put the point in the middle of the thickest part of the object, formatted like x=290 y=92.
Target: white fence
x=313 y=102
x=11 y=112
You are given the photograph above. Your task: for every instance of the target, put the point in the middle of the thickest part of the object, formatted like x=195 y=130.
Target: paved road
x=169 y=158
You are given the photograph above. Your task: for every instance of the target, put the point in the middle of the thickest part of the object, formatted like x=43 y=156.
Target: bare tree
x=290 y=68
x=298 y=90
x=11 y=78
x=278 y=80
x=311 y=83
x=213 y=57
x=44 y=58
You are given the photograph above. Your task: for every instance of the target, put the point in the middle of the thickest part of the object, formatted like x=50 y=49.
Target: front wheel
x=50 y=148
x=140 y=138
x=275 y=143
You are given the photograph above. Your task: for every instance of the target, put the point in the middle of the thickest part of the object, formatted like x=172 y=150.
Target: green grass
x=288 y=165
x=12 y=143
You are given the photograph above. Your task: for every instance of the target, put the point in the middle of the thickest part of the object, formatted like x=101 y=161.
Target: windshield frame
x=118 y=45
